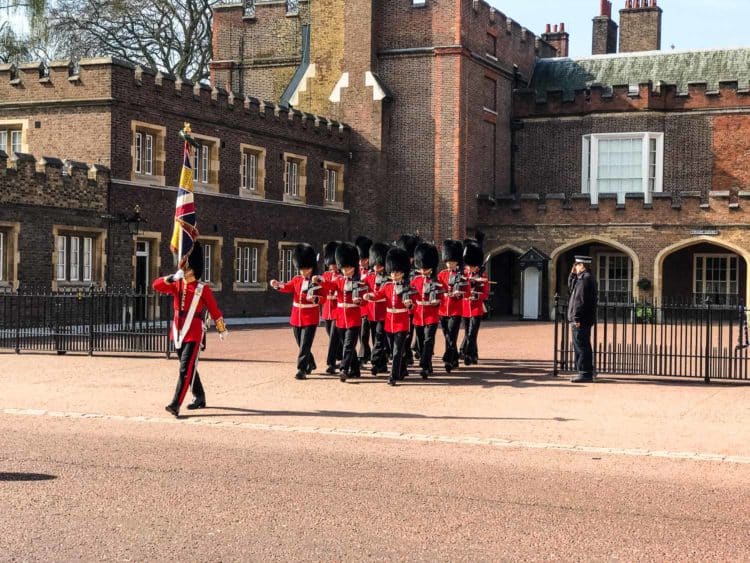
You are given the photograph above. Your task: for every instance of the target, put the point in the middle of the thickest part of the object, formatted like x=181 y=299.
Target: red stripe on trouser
x=189 y=375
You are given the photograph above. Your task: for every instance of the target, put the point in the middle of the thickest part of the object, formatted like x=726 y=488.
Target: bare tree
x=15 y=46
x=171 y=35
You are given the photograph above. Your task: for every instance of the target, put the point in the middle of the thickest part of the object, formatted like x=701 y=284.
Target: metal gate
x=675 y=339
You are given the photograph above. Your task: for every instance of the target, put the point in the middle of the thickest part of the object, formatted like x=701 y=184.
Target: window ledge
x=249 y=287
x=334 y=204
x=294 y=199
x=148 y=179
x=250 y=194
x=201 y=187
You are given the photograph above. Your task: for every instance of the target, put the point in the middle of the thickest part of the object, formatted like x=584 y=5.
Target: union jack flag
x=185 y=232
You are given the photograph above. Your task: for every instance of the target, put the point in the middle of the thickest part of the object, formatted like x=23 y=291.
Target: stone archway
x=700 y=243
x=503 y=268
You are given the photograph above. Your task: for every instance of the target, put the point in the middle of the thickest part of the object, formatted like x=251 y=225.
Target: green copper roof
x=670 y=67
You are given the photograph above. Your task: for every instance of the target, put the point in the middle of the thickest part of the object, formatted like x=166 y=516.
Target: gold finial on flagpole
x=187 y=128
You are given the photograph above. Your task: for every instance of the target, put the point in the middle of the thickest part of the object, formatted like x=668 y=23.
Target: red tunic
x=397 y=315
x=450 y=306
x=207 y=301
x=329 y=298
x=376 y=309
x=349 y=314
x=426 y=313
x=480 y=291
x=365 y=309
x=304 y=313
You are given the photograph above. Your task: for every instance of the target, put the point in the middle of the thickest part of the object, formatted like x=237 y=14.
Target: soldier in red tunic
x=330 y=309
x=397 y=294
x=305 y=307
x=428 y=294
x=408 y=243
x=376 y=308
x=451 y=305
x=363 y=245
x=477 y=292
x=348 y=288
x=191 y=297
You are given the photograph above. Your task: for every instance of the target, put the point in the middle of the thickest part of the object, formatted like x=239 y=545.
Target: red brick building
x=457 y=118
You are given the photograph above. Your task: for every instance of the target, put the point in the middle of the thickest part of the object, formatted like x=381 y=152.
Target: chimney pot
x=562 y=27
x=548 y=28
x=555 y=28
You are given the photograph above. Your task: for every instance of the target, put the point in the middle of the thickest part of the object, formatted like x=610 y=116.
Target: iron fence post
x=18 y=322
x=555 y=368
x=707 y=369
x=91 y=320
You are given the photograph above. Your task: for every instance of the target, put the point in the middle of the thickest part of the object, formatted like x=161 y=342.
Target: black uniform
x=582 y=310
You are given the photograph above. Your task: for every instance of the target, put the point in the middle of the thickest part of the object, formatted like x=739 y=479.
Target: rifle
x=312 y=287
x=431 y=290
x=355 y=286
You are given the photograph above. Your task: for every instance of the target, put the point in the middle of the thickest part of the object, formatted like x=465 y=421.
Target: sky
x=686 y=24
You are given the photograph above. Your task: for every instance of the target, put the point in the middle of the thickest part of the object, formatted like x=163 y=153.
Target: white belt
x=348 y=305
x=389 y=310
x=378 y=301
x=305 y=305
x=428 y=304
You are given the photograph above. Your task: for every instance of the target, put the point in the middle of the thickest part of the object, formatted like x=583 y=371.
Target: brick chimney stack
x=640 y=26
x=605 y=31
x=558 y=38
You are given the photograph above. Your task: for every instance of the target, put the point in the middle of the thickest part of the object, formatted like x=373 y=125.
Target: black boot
x=174 y=410
x=198 y=403
x=300 y=374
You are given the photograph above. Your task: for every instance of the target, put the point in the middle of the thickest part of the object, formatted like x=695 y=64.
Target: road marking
x=389 y=435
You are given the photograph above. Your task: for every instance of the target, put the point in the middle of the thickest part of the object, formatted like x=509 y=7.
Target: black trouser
x=451 y=326
x=471 y=330
x=334 y=344
x=304 y=335
x=399 y=345
x=379 y=347
x=409 y=338
x=365 y=333
x=584 y=355
x=350 y=361
x=426 y=340
x=188 y=355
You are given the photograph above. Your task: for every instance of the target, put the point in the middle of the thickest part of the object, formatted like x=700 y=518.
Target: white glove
x=178 y=275
x=223 y=335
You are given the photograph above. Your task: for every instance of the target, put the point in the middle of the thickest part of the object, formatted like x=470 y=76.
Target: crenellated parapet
x=599 y=98
x=51 y=182
x=716 y=208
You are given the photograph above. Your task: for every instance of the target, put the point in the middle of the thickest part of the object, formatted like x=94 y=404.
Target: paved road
x=502 y=462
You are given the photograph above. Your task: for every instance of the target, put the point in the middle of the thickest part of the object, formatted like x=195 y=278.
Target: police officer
x=582 y=316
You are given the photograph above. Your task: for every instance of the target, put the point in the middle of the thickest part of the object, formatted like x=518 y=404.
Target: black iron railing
x=675 y=338
x=85 y=320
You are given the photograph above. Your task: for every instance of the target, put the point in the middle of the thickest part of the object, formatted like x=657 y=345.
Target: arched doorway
x=696 y=270
x=505 y=299
x=615 y=266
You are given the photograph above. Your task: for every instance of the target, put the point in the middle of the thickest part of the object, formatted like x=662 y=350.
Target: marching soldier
x=377 y=308
x=426 y=312
x=191 y=297
x=348 y=288
x=397 y=294
x=330 y=309
x=305 y=306
x=451 y=304
x=408 y=243
x=477 y=291
x=363 y=245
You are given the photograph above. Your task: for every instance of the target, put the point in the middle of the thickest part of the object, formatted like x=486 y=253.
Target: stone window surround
x=302 y=186
x=217 y=262
x=214 y=144
x=11 y=255
x=340 y=184
x=160 y=156
x=153 y=238
x=22 y=124
x=99 y=255
x=260 y=184
x=261 y=285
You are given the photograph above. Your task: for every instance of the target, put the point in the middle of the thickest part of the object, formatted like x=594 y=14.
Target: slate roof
x=670 y=67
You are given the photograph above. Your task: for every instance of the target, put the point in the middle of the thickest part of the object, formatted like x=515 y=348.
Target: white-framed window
x=148 y=157
x=716 y=277
x=286 y=264
x=207 y=263
x=246 y=264
x=202 y=163
x=144 y=153
x=291 y=184
x=418 y=2
x=615 y=278
x=11 y=140
x=621 y=163
x=249 y=171
x=331 y=183
x=74 y=258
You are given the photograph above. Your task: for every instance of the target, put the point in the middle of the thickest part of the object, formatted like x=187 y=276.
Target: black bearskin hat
x=195 y=260
x=453 y=251
x=329 y=252
x=408 y=243
x=473 y=254
x=347 y=256
x=378 y=252
x=426 y=256
x=305 y=257
x=397 y=260
x=363 y=245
